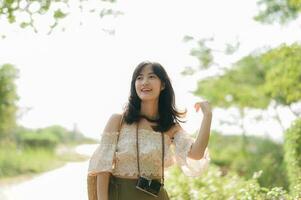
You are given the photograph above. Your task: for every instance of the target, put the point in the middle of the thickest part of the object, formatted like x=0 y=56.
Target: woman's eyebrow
x=148 y=73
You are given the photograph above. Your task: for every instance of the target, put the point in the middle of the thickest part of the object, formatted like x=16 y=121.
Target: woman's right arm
x=103 y=185
x=103 y=177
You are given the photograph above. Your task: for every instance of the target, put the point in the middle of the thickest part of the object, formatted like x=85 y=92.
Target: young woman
x=128 y=164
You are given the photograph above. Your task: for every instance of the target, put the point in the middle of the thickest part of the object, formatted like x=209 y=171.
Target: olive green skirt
x=125 y=189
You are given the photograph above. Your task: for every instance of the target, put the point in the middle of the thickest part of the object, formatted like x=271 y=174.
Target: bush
x=38 y=140
x=59 y=132
x=14 y=161
x=261 y=154
x=292 y=147
x=48 y=137
x=214 y=185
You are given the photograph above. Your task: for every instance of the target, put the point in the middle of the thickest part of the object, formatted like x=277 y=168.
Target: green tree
x=280 y=11
x=241 y=87
x=57 y=10
x=283 y=77
x=8 y=98
x=292 y=157
x=204 y=53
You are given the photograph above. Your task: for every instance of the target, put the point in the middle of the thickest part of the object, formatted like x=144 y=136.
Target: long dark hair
x=169 y=115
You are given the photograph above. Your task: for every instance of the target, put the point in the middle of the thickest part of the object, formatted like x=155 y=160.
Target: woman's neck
x=149 y=110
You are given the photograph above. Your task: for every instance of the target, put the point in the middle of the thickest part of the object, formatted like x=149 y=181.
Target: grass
x=17 y=163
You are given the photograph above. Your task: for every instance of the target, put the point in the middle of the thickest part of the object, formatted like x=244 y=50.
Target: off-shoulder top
x=150 y=153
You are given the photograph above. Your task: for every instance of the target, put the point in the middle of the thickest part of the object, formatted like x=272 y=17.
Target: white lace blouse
x=150 y=153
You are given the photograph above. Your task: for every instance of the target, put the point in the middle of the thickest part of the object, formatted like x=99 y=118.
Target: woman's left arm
x=199 y=146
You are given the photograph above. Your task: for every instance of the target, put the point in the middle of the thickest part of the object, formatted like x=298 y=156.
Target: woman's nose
x=145 y=81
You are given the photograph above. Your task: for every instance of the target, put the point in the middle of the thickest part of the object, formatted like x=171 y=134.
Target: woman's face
x=147 y=84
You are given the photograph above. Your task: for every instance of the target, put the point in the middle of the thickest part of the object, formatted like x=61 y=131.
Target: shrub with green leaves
x=39 y=140
x=15 y=161
x=292 y=147
x=214 y=185
x=261 y=154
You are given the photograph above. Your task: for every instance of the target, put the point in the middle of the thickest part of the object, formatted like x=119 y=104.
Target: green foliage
x=293 y=157
x=283 y=76
x=214 y=185
x=58 y=10
x=48 y=137
x=34 y=151
x=188 y=71
x=14 y=161
x=106 y=12
x=11 y=8
x=258 y=174
x=204 y=53
x=232 y=48
x=59 y=132
x=38 y=140
x=240 y=86
x=281 y=11
x=187 y=38
x=261 y=155
x=255 y=80
x=8 y=98
x=58 y=14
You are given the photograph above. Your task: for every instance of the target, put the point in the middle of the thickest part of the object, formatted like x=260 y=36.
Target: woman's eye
x=152 y=76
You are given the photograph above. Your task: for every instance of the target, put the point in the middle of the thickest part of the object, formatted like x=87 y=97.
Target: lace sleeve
x=102 y=158
x=190 y=167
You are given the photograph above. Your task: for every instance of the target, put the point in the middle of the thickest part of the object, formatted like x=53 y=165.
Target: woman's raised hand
x=205 y=107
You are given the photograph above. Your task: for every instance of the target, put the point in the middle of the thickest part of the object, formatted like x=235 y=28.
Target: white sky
x=83 y=75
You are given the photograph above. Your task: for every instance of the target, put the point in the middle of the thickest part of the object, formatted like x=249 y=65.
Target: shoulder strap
x=120 y=122
x=117 y=139
x=119 y=128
